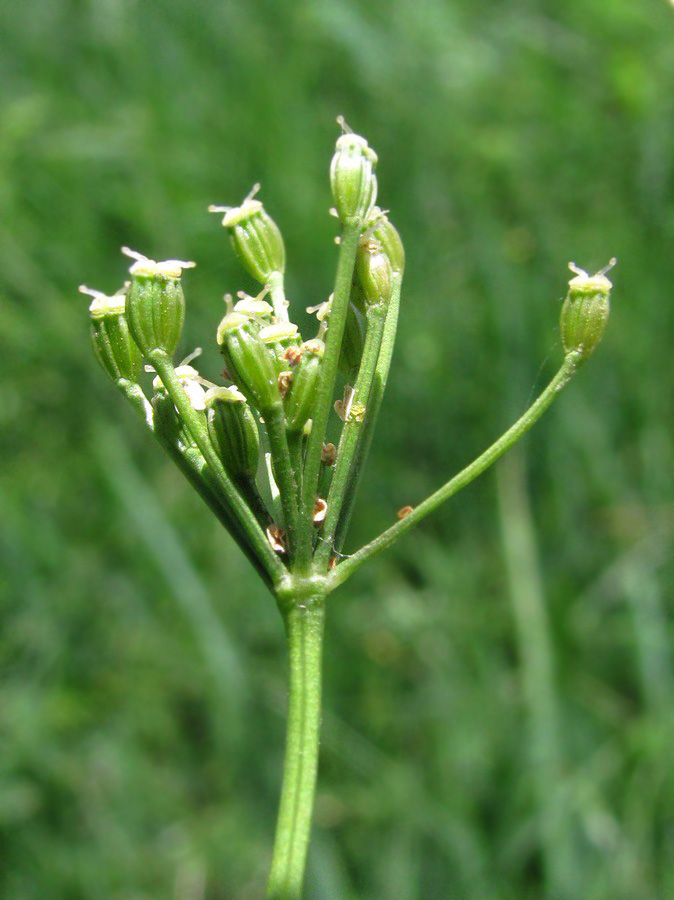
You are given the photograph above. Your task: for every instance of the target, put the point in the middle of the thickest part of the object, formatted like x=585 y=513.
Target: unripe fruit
x=353 y=341
x=585 y=310
x=114 y=347
x=249 y=361
x=299 y=401
x=233 y=431
x=352 y=178
x=168 y=425
x=391 y=244
x=256 y=238
x=155 y=304
x=373 y=273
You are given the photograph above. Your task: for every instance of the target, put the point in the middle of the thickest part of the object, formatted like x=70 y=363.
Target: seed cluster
x=255 y=446
x=256 y=422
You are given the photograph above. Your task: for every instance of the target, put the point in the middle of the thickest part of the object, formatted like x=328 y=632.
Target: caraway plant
x=254 y=446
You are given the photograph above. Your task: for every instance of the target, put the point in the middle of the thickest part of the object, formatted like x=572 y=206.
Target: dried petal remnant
x=320 y=511
x=328 y=454
x=277 y=538
x=284 y=382
x=292 y=355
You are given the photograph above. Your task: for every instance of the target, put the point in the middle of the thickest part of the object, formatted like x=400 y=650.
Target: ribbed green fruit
x=353 y=341
x=114 y=347
x=374 y=273
x=257 y=240
x=391 y=244
x=233 y=432
x=585 y=311
x=300 y=399
x=155 y=308
x=168 y=425
x=352 y=178
x=249 y=361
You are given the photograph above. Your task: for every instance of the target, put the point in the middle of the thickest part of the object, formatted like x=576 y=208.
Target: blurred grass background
x=499 y=689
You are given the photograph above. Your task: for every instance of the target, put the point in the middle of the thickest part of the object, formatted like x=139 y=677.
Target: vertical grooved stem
x=304 y=621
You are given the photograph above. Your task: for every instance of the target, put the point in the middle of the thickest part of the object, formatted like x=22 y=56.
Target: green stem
x=193 y=466
x=240 y=512
x=195 y=469
x=304 y=622
x=295 y=439
x=340 y=306
x=134 y=394
x=278 y=296
x=376 y=318
x=283 y=470
x=247 y=487
x=497 y=449
x=373 y=407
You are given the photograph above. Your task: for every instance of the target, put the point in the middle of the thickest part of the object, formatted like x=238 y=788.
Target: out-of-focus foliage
x=499 y=689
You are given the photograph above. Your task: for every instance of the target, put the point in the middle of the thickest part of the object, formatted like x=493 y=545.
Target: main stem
x=304 y=620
